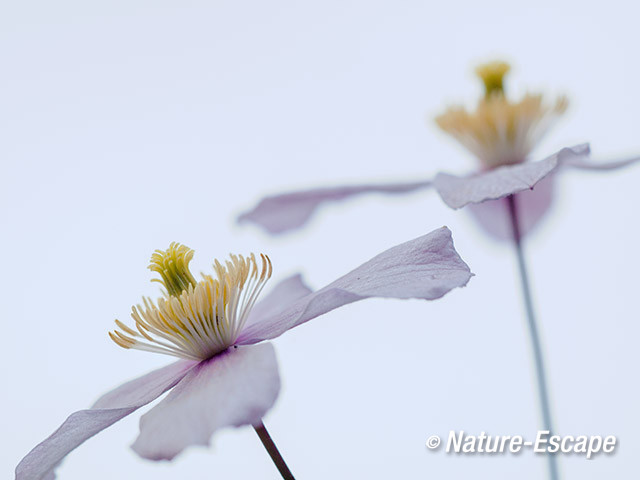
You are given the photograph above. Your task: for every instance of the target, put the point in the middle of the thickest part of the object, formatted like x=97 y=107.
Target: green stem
x=543 y=392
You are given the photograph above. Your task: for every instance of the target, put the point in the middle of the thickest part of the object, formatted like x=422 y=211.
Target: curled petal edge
x=501 y=182
x=425 y=268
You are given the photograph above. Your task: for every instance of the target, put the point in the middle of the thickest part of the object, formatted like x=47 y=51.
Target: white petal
x=290 y=211
x=533 y=205
x=234 y=388
x=82 y=425
x=284 y=293
x=504 y=181
x=585 y=164
x=425 y=268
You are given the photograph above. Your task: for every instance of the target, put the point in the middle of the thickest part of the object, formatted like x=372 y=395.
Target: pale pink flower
x=500 y=133
x=227 y=374
x=508 y=196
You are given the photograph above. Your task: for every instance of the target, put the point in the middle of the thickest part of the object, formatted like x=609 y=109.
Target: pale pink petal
x=289 y=211
x=426 y=268
x=284 y=293
x=234 y=388
x=82 y=425
x=503 y=181
x=583 y=163
x=493 y=215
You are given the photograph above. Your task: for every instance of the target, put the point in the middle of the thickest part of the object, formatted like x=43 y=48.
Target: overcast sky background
x=127 y=125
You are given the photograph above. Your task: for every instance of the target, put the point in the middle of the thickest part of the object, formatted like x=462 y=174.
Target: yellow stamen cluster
x=501 y=132
x=205 y=317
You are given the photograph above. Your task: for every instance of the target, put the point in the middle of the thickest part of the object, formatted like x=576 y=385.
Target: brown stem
x=273 y=452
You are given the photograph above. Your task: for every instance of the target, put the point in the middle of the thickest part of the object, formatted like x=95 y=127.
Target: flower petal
x=504 y=181
x=493 y=215
x=581 y=162
x=234 y=388
x=289 y=211
x=82 y=425
x=284 y=293
x=427 y=268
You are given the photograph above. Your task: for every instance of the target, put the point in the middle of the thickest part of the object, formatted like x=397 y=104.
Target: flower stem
x=273 y=452
x=533 y=332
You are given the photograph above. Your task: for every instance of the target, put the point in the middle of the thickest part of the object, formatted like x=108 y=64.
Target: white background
x=127 y=125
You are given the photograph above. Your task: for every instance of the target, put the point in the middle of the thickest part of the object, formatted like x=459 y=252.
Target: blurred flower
x=501 y=133
x=225 y=375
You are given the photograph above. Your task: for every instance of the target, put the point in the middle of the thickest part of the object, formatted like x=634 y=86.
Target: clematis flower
x=227 y=373
x=508 y=196
x=500 y=133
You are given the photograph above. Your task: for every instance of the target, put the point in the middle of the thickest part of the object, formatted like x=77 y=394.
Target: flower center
x=173 y=267
x=500 y=131
x=195 y=320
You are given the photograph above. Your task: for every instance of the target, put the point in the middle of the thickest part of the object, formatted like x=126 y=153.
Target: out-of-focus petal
x=493 y=215
x=504 y=181
x=583 y=163
x=427 y=268
x=234 y=388
x=284 y=293
x=82 y=425
x=289 y=211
